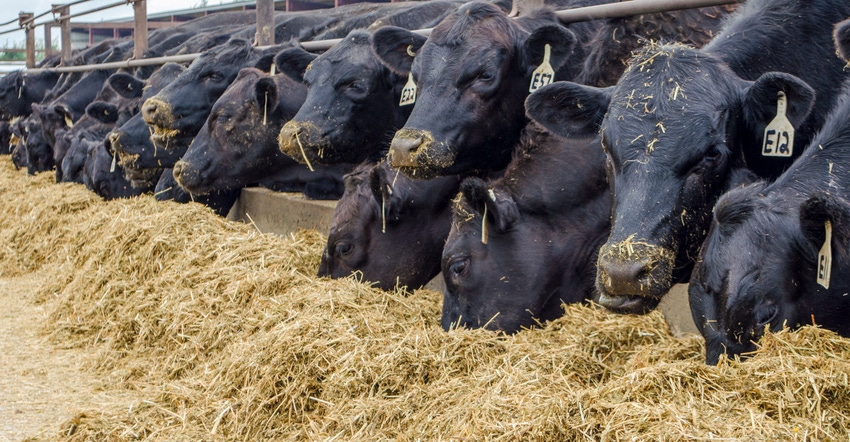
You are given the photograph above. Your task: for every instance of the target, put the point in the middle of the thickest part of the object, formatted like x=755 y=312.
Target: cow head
x=236 y=145
x=131 y=141
x=672 y=141
x=524 y=244
x=758 y=269
x=388 y=228
x=179 y=110
x=471 y=77
x=37 y=153
x=352 y=103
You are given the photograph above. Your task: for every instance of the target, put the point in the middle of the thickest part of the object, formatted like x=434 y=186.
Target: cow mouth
x=416 y=154
x=628 y=304
x=141 y=178
x=302 y=142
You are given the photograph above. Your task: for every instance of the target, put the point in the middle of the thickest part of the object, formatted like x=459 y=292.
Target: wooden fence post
x=140 y=29
x=30 y=32
x=65 y=32
x=265 y=23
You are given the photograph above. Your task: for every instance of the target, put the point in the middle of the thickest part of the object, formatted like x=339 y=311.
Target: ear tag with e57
x=779 y=134
x=544 y=74
x=408 y=94
x=825 y=258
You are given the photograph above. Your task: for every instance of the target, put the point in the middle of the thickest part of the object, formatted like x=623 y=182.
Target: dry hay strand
x=224 y=334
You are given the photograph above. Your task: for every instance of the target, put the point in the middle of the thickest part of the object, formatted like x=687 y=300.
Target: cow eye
x=343 y=249
x=712 y=153
x=458 y=266
x=486 y=76
x=213 y=76
x=764 y=315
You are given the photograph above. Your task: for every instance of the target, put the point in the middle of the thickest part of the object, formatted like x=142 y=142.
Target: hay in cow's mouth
x=219 y=332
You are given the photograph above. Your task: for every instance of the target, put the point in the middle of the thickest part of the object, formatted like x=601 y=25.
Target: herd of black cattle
x=723 y=134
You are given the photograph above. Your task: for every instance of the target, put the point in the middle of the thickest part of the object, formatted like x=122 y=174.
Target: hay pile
x=227 y=335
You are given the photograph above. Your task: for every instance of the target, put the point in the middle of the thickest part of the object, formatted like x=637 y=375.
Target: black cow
x=673 y=138
x=472 y=76
x=236 y=147
x=761 y=265
x=180 y=109
x=524 y=244
x=18 y=90
x=388 y=228
x=6 y=137
x=352 y=105
x=35 y=151
x=131 y=140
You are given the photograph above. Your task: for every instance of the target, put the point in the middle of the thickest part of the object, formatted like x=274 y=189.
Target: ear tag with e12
x=779 y=134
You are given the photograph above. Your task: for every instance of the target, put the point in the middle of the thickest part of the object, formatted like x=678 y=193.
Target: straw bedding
x=225 y=334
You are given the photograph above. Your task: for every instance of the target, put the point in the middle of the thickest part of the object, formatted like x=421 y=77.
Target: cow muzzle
x=632 y=276
x=300 y=141
x=418 y=155
x=187 y=177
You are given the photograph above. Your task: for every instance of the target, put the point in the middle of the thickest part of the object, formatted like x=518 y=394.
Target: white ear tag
x=408 y=94
x=544 y=74
x=114 y=156
x=273 y=70
x=779 y=134
x=825 y=258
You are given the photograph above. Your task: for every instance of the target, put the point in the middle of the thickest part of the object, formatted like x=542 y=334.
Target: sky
x=9 y=10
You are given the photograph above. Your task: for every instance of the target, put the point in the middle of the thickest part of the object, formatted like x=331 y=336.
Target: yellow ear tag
x=779 y=134
x=68 y=122
x=825 y=258
x=408 y=94
x=544 y=74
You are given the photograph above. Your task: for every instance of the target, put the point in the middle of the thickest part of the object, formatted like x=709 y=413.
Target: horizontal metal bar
x=80 y=14
x=120 y=64
x=634 y=7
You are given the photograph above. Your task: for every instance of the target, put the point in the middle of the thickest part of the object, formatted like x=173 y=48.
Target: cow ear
x=126 y=85
x=760 y=99
x=569 y=109
x=560 y=40
x=388 y=196
x=396 y=47
x=265 y=92
x=102 y=111
x=294 y=62
x=822 y=207
x=500 y=207
x=842 y=39
x=265 y=62
x=66 y=114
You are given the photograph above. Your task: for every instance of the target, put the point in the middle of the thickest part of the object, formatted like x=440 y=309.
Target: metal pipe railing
x=588 y=13
x=90 y=11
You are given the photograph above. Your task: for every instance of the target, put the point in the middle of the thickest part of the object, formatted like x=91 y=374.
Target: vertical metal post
x=65 y=31
x=140 y=29
x=30 y=32
x=265 y=23
x=48 y=41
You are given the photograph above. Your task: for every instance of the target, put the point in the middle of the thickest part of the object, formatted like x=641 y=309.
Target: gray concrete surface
x=282 y=213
